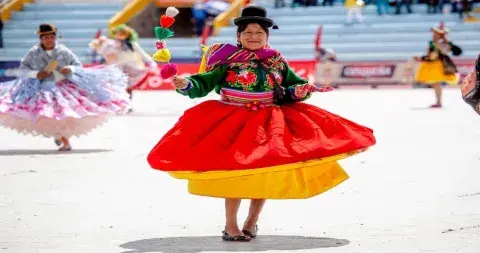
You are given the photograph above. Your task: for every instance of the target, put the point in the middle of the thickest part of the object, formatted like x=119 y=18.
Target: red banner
x=305 y=69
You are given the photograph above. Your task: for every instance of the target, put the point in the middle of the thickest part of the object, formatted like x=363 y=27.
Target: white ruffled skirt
x=66 y=108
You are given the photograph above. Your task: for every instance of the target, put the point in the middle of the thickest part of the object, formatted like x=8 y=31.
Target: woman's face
x=253 y=37
x=437 y=36
x=48 y=41
x=121 y=35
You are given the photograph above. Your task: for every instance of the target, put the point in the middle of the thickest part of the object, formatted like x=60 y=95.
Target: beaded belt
x=251 y=100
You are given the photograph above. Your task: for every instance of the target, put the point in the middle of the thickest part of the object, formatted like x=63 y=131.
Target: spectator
x=432 y=6
x=199 y=18
x=465 y=8
x=382 y=4
x=207 y=10
x=280 y=3
x=296 y=3
x=400 y=3
x=327 y=2
x=305 y=3
x=354 y=8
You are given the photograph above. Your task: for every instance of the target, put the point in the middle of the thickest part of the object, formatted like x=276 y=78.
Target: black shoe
x=251 y=234
x=238 y=238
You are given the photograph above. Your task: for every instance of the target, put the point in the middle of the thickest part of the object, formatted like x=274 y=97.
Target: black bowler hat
x=254 y=14
x=44 y=29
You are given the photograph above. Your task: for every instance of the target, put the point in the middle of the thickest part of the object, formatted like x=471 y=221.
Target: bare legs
x=256 y=206
x=231 y=213
x=438 y=94
x=130 y=94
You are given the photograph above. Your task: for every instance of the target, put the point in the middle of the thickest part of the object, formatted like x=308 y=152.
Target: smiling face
x=122 y=35
x=48 y=41
x=437 y=36
x=253 y=37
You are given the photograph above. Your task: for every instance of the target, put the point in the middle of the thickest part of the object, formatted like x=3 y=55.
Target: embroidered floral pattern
x=248 y=76
x=269 y=83
x=247 y=79
x=231 y=77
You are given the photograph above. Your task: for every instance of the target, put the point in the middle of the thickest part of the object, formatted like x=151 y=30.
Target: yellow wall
x=225 y=18
x=128 y=12
x=12 y=5
x=177 y=3
x=136 y=6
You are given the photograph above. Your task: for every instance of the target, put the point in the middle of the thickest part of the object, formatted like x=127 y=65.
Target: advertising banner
x=376 y=73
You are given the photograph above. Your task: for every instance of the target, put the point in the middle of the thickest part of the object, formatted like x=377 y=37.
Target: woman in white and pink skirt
x=55 y=96
x=125 y=52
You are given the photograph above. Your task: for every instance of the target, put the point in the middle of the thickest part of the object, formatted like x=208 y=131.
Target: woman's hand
x=43 y=74
x=65 y=71
x=301 y=91
x=179 y=82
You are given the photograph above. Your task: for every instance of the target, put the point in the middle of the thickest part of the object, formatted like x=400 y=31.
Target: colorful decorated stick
x=162 y=33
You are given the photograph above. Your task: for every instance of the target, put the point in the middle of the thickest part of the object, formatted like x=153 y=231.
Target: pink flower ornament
x=161 y=44
x=168 y=70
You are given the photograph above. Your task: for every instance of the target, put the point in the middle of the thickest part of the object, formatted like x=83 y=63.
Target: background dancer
x=436 y=68
x=55 y=97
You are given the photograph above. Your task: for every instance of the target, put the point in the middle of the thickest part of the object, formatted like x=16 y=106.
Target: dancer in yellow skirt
x=260 y=141
x=436 y=68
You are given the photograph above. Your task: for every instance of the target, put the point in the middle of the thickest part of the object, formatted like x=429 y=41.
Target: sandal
x=237 y=238
x=251 y=234
x=65 y=148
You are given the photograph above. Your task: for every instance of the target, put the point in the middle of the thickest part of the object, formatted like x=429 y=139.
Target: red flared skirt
x=216 y=136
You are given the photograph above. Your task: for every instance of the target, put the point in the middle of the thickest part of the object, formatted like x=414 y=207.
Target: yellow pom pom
x=162 y=55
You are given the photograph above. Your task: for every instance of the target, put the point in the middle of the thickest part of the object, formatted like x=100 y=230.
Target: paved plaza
x=416 y=191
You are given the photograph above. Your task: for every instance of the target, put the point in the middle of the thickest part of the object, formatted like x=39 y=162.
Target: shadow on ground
x=20 y=152
x=152 y=114
x=215 y=243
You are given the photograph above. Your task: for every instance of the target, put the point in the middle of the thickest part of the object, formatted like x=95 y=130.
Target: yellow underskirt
x=290 y=181
x=431 y=72
x=299 y=183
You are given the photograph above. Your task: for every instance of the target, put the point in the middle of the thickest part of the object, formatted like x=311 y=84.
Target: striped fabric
x=239 y=97
x=218 y=54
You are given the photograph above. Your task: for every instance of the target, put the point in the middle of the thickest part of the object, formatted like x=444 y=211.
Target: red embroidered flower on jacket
x=246 y=78
x=270 y=82
x=231 y=77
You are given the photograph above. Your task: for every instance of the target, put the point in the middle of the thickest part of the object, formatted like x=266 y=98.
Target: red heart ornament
x=166 y=21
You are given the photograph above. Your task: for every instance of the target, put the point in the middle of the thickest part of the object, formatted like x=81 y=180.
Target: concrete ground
x=417 y=190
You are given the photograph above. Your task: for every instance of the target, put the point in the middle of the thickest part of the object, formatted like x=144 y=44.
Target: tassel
x=162 y=33
x=172 y=12
x=161 y=44
x=166 y=21
x=162 y=55
x=168 y=71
